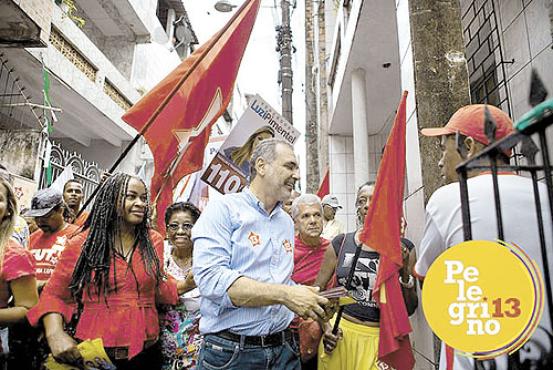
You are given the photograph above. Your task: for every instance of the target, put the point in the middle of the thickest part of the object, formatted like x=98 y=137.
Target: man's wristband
x=409 y=284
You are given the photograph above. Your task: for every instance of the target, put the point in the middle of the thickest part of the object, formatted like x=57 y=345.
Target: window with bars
x=484 y=54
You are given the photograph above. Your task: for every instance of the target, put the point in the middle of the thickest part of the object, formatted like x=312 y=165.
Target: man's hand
x=331 y=308
x=104 y=177
x=64 y=349
x=306 y=302
x=329 y=339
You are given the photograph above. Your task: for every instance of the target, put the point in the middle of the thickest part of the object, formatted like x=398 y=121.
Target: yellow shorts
x=357 y=350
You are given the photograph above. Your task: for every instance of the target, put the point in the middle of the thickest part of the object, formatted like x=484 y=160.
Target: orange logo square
x=254 y=239
x=287 y=245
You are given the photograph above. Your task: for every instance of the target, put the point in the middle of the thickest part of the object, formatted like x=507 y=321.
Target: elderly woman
x=357 y=345
x=179 y=324
x=17 y=273
x=112 y=272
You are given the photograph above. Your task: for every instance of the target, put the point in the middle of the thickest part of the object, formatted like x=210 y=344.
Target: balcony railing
x=72 y=54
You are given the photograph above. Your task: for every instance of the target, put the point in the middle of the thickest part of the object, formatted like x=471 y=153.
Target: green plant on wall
x=70 y=8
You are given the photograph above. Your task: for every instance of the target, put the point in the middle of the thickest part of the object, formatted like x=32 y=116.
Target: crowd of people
x=236 y=286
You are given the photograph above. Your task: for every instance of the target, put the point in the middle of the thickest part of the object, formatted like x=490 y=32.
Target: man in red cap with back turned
x=444 y=226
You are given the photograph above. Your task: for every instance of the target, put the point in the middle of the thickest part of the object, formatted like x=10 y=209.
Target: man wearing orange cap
x=443 y=227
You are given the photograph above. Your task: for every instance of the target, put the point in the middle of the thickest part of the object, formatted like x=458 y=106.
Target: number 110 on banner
x=223 y=176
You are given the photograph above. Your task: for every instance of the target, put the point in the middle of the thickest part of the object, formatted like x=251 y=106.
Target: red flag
x=324 y=188
x=176 y=116
x=381 y=232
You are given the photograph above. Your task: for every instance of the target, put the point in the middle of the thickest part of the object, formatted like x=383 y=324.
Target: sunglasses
x=176 y=227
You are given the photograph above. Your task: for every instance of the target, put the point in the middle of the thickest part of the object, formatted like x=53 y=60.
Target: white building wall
x=155 y=59
x=152 y=62
x=526 y=37
x=91 y=91
x=343 y=182
x=342 y=178
x=132 y=68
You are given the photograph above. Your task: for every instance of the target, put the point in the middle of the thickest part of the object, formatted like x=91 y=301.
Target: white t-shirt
x=332 y=229
x=190 y=299
x=444 y=228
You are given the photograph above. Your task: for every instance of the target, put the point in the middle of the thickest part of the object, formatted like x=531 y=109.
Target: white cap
x=331 y=200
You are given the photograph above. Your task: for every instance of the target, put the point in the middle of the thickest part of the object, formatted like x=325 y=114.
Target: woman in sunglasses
x=179 y=324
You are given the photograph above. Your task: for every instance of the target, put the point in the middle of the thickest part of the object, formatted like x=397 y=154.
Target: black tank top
x=366 y=309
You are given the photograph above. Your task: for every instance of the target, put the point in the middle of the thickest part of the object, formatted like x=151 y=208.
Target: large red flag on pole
x=176 y=116
x=381 y=232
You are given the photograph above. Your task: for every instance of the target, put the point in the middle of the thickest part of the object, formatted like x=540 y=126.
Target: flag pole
x=165 y=102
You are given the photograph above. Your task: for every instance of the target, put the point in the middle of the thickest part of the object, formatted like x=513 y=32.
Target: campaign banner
x=191 y=188
x=229 y=170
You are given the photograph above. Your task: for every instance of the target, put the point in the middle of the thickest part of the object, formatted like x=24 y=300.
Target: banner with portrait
x=229 y=170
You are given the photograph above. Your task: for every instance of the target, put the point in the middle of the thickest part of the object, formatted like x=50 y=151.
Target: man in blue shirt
x=243 y=262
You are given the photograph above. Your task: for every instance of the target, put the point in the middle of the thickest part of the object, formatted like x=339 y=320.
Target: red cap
x=469 y=121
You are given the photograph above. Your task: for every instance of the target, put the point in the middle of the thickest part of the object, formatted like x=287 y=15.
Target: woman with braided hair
x=112 y=275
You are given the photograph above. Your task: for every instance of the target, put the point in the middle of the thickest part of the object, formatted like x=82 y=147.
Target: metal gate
x=88 y=173
x=534 y=123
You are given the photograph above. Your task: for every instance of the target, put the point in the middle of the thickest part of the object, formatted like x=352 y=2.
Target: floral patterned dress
x=179 y=334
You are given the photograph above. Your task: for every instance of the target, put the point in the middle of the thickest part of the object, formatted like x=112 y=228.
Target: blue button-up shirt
x=236 y=237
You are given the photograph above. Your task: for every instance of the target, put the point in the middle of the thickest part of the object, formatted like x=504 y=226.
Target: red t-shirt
x=46 y=249
x=17 y=263
x=308 y=260
x=126 y=317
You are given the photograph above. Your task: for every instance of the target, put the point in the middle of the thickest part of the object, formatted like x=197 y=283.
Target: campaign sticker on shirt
x=287 y=245
x=483 y=298
x=254 y=238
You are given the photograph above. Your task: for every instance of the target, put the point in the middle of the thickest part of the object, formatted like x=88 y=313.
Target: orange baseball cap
x=469 y=121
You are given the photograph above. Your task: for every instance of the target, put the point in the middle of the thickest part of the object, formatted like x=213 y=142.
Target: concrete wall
x=125 y=64
x=105 y=154
x=19 y=151
x=152 y=62
x=72 y=75
x=40 y=12
x=121 y=53
x=119 y=50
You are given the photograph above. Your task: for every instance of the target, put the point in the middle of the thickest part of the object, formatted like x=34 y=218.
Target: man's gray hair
x=305 y=199
x=266 y=149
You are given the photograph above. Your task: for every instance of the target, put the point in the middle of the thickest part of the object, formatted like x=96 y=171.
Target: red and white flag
x=176 y=116
x=324 y=187
x=382 y=233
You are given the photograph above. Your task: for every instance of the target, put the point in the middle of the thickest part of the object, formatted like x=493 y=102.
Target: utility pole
x=311 y=128
x=284 y=41
x=322 y=90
